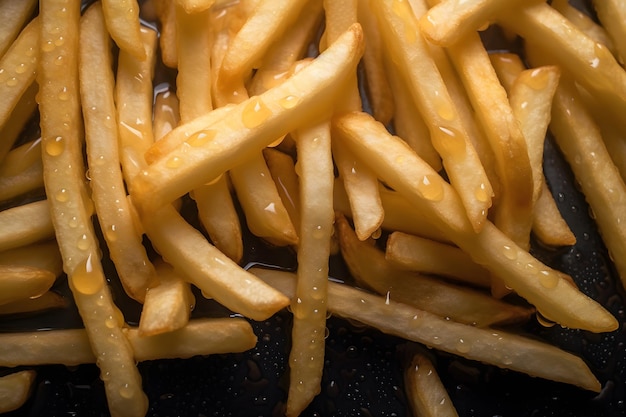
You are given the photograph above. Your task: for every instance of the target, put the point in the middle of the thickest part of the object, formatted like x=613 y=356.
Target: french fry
x=15 y=389
x=47 y=301
x=21 y=171
x=368 y=266
x=195 y=6
x=122 y=21
x=306 y=358
x=63 y=176
x=25 y=224
x=14 y=15
x=21 y=113
x=43 y=255
x=612 y=15
x=427 y=395
x=135 y=270
x=167 y=306
x=283 y=171
x=166 y=12
x=19 y=282
x=548 y=224
x=499 y=348
x=166 y=114
x=398 y=26
x=548 y=290
x=427 y=256
x=71 y=347
x=249 y=126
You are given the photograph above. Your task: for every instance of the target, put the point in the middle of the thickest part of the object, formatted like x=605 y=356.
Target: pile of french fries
x=266 y=114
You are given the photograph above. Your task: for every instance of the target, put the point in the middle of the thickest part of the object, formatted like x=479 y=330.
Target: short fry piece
x=15 y=389
x=500 y=348
x=548 y=224
x=21 y=171
x=427 y=395
x=21 y=282
x=122 y=21
x=47 y=301
x=43 y=255
x=25 y=224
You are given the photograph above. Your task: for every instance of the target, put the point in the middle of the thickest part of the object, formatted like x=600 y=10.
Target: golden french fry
x=122 y=21
x=166 y=13
x=168 y=305
x=283 y=171
x=43 y=255
x=21 y=171
x=71 y=347
x=135 y=270
x=427 y=256
x=18 y=282
x=548 y=224
x=249 y=126
x=166 y=114
x=548 y=290
x=64 y=175
x=25 y=224
x=398 y=25
x=368 y=266
x=15 y=390
x=500 y=348
x=427 y=395
x=47 y=301
x=14 y=15
x=22 y=112
x=612 y=15
x=195 y=6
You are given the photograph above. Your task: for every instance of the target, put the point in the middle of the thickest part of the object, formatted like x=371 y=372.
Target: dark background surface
x=362 y=375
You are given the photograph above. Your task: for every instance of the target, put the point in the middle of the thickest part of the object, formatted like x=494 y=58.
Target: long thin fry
x=43 y=255
x=548 y=224
x=22 y=112
x=15 y=389
x=122 y=21
x=21 y=282
x=26 y=224
x=47 y=301
x=500 y=348
x=612 y=14
x=427 y=395
x=13 y=15
x=21 y=171
x=551 y=293
x=64 y=173
x=283 y=170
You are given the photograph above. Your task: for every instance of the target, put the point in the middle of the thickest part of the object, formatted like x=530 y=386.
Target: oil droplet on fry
x=85 y=280
x=255 y=113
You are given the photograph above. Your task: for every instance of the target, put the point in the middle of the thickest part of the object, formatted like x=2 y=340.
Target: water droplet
x=63 y=95
x=481 y=193
x=201 y=138
x=254 y=113
x=85 y=280
x=174 y=162
x=55 y=146
x=538 y=79
x=20 y=69
x=12 y=82
x=288 y=102
x=111 y=233
x=83 y=242
x=509 y=252
x=110 y=322
x=450 y=141
x=548 y=279
x=430 y=187
x=61 y=195
x=462 y=346
x=126 y=391
x=47 y=46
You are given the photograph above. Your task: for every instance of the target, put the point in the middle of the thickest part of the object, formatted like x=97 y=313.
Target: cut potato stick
x=14 y=15
x=43 y=255
x=283 y=171
x=368 y=266
x=21 y=171
x=585 y=23
x=612 y=15
x=188 y=251
x=250 y=126
x=135 y=270
x=306 y=359
x=166 y=114
x=15 y=389
x=168 y=305
x=195 y=6
x=19 y=282
x=398 y=26
x=22 y=112
x=47 y=301
x=548 y=290
x=548 y=224
x=499 y=348
x=591 y=63
x=122 y=21
x=71 y=347
x=425 y=391
x=450 y=21
x=25 y=224
x=166 y=13
x=64 y=175
x=427 y=256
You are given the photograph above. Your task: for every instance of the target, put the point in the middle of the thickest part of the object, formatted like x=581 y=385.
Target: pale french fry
x=612 y=15
x=548 y=224
x=585 y=23
x=450 y=21
x=21 y=171
x=97 y=84
x=25 y=224
x=17 y=72
x=368 y=266
x=252 y=125
x=19 y=282
x=14 y=15
x=22 y=112
x=306 y=359
x=64 y=174
x=15 y=390
x=166 y=12
x=427 y=395
x=166 y=114
x=122 y=22
x=167 y=306
x=195 y=6
x=548 y=290
x=591 y=63
x=47 y=301
x=71 y=347
x=43 y=255
x=500 y=348
x=427 y=256
x=283 y=171
x=398 y=26
x=188 y=251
